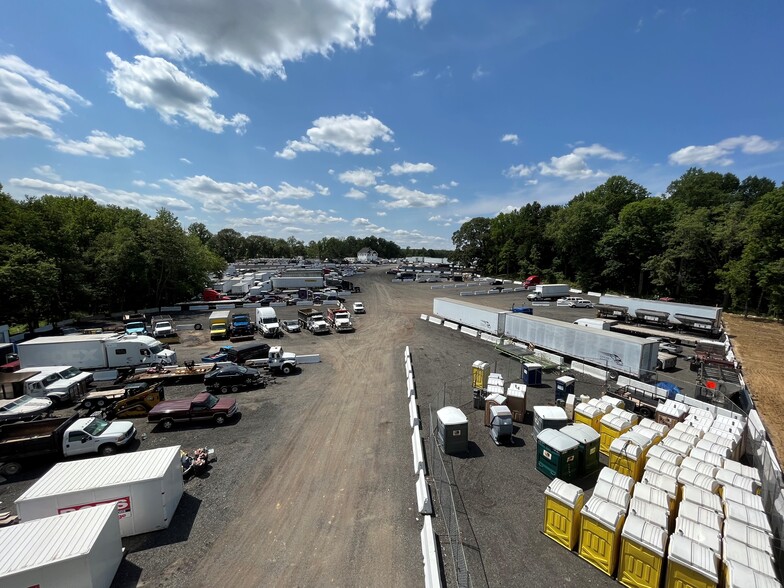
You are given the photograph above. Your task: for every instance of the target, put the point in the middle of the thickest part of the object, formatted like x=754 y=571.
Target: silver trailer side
x=475 y=316
x=706 y=318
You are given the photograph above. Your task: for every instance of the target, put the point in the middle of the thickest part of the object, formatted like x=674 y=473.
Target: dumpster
x=690 y=564
x=615 y=494
x=452 y=430
x=515 y=400
x=532 y=374
x=627 y=457
x=501 y=424
x=490 y=401
x=589 y=446
x=588 y=414
x=643 y=548
x=557 y=455
x=562 y=505
x=480 y=372
x=563 y=387
x=600 y=530
x=548 y=417
x=610 y=428
x=657 y=515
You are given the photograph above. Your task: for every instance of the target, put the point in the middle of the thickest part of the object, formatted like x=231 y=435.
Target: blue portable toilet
x=670 y=389
x=563 y=387
x=532 y=374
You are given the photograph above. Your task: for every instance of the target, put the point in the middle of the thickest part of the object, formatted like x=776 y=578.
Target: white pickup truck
x=59 y=383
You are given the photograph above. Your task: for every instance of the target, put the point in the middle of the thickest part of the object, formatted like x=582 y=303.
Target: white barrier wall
x=424 y=505
x=413 y=415
x=430 y=555
x=589 y=370
x=453 y=326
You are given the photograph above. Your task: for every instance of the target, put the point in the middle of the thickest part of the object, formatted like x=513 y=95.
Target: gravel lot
x=314 y=482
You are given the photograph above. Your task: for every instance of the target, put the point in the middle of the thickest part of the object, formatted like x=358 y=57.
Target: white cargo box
x=80 y=549
x=146 y=485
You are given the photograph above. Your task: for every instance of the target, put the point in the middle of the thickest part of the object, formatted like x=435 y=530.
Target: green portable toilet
x=557 y=455
x=589 y=446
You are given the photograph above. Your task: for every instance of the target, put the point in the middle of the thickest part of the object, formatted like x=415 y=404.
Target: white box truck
x=549 y=292
x=80 y=549
x=94 y=352
x=146 y=485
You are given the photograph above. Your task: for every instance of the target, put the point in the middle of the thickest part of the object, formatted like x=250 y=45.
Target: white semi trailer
x=475 y=316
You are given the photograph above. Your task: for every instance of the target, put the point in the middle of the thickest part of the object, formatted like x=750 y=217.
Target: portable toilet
x=676 y=445
x=710 y=538
x=687 y=477
x=589 y=446
x=653 y=436
x=691 y=564
x=605 y=407
x=735 y=494
x=658 y=515
x=700 y=514
x=501 y=424
x=452 y=430
x=588 y=414
x=703 y=467
x=490 y=401
x=569 y=406
x=625 y=414
x=748 y=516
x=702 y=498
x=664 y=454
x=684 y=436
x=737 y=552
x=750 y=536
x=616 y=479
x=708 y=456
x=610 y=428
x=515 y=400
x=613 y=401
x=660 y=428
x=627 y=457
x=548 y=417
x=600 y=530
x=480 y=372
x=729 y=478
x=563 y=387
x=557 y=455
x=664 y=483
x=655 y=496
x=615 y=494
x=739 y=468
x=562 y=505
x=643 y=548
x=670 y=413
x=532 y=374
x=736 y=575
x=658 y=465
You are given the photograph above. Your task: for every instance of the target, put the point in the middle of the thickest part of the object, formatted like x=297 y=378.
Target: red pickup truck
x=203 y=407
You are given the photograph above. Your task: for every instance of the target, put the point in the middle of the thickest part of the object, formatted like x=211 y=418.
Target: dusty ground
x=758 y=345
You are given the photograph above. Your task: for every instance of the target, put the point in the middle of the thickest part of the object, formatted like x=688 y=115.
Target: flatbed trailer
x=174 y=374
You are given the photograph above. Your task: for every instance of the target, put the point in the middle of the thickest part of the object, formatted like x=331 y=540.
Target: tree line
x=711 y=239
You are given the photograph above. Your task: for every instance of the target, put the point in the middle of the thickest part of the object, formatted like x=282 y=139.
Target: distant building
x=366 y=255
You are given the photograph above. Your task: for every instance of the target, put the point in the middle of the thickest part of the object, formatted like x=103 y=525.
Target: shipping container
x=80 y=549
x=475 y=316
x=146 y=485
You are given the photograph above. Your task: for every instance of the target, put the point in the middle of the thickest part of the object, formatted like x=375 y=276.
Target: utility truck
x=103 y=351
x=549 y=292
x=312 y=320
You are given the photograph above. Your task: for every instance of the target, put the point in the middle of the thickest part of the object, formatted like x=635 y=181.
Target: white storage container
x=616 y=479
x=707 y=456
x=702 y=534
x=80 y=549
x=146 y=485
x=759 y=540
x=735 y=494
x=665 y=455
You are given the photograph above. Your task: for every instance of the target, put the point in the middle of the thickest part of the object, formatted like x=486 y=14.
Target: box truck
x=475 y=316
x=549 y=292
x=79 y=549
x=145 y=485
x=219 y=324
x=94 y=352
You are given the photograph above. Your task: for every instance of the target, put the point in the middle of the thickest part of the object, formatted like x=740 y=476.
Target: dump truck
x=312 y=320
x=340 y=320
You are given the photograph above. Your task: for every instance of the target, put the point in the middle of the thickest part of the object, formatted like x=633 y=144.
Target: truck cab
x=340 y=319
x=61 y=383
x=267 y=321
x=219 y=325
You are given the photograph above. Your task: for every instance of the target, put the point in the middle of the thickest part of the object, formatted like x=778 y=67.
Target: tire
x=220 y=419
x=11 y=468
x=612 y=374
x=88 y=404
x=286 y=369
x=235 y=389
x=100 y=403
x=224 y=389
x=167 y=424
x=197 y=327
x=107 y=449
x=645 y=412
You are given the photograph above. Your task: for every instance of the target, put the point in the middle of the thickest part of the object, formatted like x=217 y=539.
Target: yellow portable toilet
x=720 y=448
x=703 y=467
x=625 y=414
x=729 y=478
x=700 y=514
x=605 y=407
x=615 y=494
x=562 y=505
x=627 y=457
x=703 y=498
x=587 y=414
x=480 y=372
x=660 y=428
x=676 y=445
x=735 y=494
x=750 y=536
x=657 y=515
x=658 y=465
x=687 y=428
x=616 y=478
x=748 y=516
x=664 y=454
x=662 y=482
x=683 y=436
x=708 y=456
x=610 y=428
x=687 y=477
x=653 y=436
x=739 y=468
x=643 y=547
x=600 y=533
x=655 y=496
x=737 y=575
x=691 y=565
x=737 y=552
x=710 y=538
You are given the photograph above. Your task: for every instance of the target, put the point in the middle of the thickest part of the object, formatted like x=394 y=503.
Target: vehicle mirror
x=84 y=439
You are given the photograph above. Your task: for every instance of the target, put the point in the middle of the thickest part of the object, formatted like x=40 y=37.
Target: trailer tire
x=220 y=419
x=88 y=404
x=108 y=449
x=167 y=424
x=612 y=374
x=235 y=389
x=646 y=413
x=100 y=403
x=197 y=327
x=286 y=369
x=11 y=468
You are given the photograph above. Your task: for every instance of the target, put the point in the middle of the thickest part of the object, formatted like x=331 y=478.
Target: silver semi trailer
x=475 y=316
x=706 y=319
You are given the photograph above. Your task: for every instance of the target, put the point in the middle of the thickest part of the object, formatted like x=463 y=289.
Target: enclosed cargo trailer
x=475 y=316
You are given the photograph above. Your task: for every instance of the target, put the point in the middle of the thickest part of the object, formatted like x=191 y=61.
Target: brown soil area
x=758 y=346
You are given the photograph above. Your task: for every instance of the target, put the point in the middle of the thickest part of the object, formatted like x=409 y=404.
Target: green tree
x=229 y=244
x=200 y=231
x=471 y=243
x=29 y=281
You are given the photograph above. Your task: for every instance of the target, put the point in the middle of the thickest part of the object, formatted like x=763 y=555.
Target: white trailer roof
x=51 y=539
x=100 y=472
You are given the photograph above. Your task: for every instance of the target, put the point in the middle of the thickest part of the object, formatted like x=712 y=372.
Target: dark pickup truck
x=203 y=407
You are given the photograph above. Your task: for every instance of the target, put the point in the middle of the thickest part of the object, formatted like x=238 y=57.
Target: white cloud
x=518 y=171
x=290 y=215
x=411 y=168
x=102 y=145
x=355 y=194
x=99 y=193
x=510 y=138
x=479 y=73
x=216 y=196
x=360 y=177
x=46 y=171
x=322 y=190
x=153 y=82
x=445 y=186
x=419 y=74
x=340 y=134
x=405 y=237
x=573 y=166
x=186 y=160
x=257 y=35
x=28 y=97
x=719 y=153
x=381 y=213
x=403 y=197
x=531 y=182
x=413 y=180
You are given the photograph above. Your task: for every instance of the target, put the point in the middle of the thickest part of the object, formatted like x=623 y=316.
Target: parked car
x=667 y=346
x=290 y=326
x=230 y=378
x=203 y=407
x=359 y=308
x=581 y=303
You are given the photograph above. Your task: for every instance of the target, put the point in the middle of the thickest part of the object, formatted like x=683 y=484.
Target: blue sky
x=399 y=118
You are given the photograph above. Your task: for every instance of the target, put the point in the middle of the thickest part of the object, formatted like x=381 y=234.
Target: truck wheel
x=224 y=389
x=645 y=412
x=286 y=369
x=100 y=403
x=612 y=374
x=88 y=404
x=107 y=449
x=220 y=419
x=235 y=389
x=10 y=469
x=167 y=424
x=197 y=327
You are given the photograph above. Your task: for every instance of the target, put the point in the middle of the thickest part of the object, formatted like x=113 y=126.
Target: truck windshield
x=50 y=379
x=131 y=326
x=96 y=427
x=212 y=401
x=71 y=372
x=162 y=325
x=156 y=348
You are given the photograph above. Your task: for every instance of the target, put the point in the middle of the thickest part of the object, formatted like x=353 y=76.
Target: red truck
x=204 y=407
x=210 y=295
x=531 y=281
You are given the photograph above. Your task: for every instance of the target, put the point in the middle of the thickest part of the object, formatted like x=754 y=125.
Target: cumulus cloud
x=447 y=186
x=257 y=35
x=102 y=145
x=355 y=194
x=290 y=215
x=153 y=82
x=405 y=237
x=340 y=134
x=381 y=213
x=398 y=169
x=720 y=152
x=510 y=138
x=322 y=190
x=573 y=166
x=402 y=197
x=419 y=73
x=519 y=171
x=46 y=171
x=360 y=177
x=99 y=193
x=29 y=97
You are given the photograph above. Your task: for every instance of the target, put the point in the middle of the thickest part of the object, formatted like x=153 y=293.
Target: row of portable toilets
x=675 y=505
